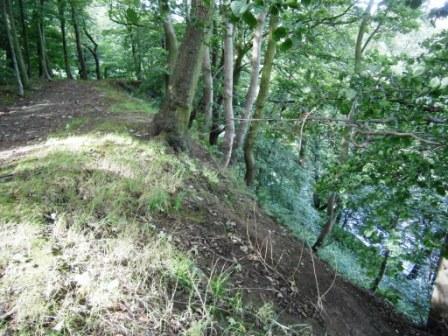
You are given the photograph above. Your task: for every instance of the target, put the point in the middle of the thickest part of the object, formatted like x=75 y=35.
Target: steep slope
x=105 y=232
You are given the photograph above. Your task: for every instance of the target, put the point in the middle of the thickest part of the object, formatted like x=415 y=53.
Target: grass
x=121 y=102
x=80 y=252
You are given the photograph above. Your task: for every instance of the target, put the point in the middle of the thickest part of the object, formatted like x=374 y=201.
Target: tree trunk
x=331 y=220
x=253 y=85
x=171 y=43
x=81 y=61
x=42 y=46
x=260 y=101
x=241 y=51
x=381 y=273
x=438 y=314
x=360 y=38
x=208 y=89
x=413 y=274
x=94 y=52
x=228 y=93
x=135 y=53
x=26 y=44
x=7 y=20
x=174 y=114
x=17 y=48
x=61 y=12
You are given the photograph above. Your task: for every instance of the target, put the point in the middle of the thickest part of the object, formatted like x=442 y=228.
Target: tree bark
x=438 y=314
x=83 y=74
x=208 y=89
x=171 y=44
x=253 y=85
x=17 y=48
x=331 y=220
x=174 y=114
x=42 y=45
x=135 y=50
x=26 y=44
x=7 y=20
x=228 y=92
x=260 y=101
x=94 y=52
x=360 y=38
x=381 y=273
x=61 y=12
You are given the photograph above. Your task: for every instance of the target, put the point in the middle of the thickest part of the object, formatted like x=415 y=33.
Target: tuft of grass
x=80 y=252
x=133 y=105
x=122 y=102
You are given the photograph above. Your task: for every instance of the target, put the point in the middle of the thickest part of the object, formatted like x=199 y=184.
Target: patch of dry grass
x=80 y=253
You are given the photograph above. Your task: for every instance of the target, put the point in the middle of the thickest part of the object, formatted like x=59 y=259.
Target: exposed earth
x=225 y=231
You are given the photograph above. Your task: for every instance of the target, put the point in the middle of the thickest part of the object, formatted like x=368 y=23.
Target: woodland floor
x=226 y=230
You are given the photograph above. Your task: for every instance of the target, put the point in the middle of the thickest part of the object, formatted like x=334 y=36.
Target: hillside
x=107 y=231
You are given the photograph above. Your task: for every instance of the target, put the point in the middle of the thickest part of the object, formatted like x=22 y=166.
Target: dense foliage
x=346 y=139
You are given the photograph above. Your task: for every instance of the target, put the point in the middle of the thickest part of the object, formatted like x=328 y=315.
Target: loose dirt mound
x=226 y=230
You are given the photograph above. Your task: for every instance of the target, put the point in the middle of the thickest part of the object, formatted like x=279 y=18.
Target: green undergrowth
x=284 y=188
x=81 y=252
x=122 y=102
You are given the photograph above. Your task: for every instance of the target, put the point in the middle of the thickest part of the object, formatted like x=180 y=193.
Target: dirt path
x=273 y=265
x=46 y=110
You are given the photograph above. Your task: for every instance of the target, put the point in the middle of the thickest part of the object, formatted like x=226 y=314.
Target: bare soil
x=225 y=229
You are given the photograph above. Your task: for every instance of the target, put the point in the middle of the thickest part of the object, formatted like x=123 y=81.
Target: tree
x=94 y=52
x=208 y=88
x=254 y=80
x=171 y=43
x=7 y=21
x=228 y=92
x=61 y=16
x=26 y=45
x=44 y=70
x=13 y=38
x=174 y=114
x=83 y=72
x=271 y=49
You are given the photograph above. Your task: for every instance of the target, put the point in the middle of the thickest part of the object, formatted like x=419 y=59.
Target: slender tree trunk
x=360 y=38
x=26 y=44
x=171 y=43
x=332 y=204
x=438 y=314
x=413 y=274
x=61 y=12
x=135 y=53
x=44 y=71
x=7 y=20
x=381 y=273
x=82 y=63
x=260 y=101
x=228 y=92
x=94 y=52
x=253 y=85
x=237 y=68
x=174 y=114
x=208 y=89
x=17 y=48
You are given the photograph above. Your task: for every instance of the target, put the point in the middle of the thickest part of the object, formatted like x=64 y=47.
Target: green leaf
x=286 y=44
x=132 y=16
x=293 y=3
x=280 y=33
x=238 y=8
x=250 y=19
